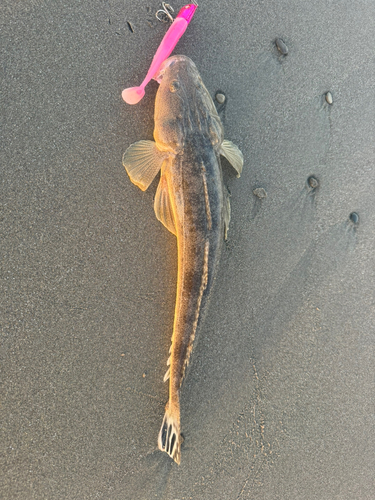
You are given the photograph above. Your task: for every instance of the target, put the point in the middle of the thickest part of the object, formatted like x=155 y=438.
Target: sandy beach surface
x=278 y=402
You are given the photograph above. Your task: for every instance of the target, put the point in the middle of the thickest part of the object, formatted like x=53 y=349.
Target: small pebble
x=329 y=98
x=313 y=182
x=260 y=193
x=354 y=217
x=281 y=46
x=144 y=375
x=220 y=98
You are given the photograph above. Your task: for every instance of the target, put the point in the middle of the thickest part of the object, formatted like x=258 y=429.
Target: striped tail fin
x=169 y=439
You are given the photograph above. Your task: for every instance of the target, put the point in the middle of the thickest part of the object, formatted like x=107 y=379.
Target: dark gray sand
x=279 y=398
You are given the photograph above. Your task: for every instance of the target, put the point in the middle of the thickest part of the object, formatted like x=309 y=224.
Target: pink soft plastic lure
x=133 y=95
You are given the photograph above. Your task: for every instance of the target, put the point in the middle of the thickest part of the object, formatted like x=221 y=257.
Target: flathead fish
x=192 y=203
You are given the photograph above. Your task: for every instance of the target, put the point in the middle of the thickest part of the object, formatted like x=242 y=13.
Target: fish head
x=183 y=106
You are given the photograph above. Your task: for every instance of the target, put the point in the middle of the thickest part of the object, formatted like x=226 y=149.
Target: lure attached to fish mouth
x=192 y=203
x=133 y=95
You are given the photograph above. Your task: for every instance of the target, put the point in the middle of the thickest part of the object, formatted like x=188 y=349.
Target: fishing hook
x=166 y=11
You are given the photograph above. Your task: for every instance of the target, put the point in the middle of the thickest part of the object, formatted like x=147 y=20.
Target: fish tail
x=169 y=439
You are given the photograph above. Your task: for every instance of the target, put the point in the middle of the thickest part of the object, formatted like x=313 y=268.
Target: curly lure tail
x=169 y=439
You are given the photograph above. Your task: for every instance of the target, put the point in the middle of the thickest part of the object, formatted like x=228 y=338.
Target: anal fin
x=167 y=375
x=226 y=213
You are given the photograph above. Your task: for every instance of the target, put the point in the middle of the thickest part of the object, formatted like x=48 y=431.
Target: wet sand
x=278 y=400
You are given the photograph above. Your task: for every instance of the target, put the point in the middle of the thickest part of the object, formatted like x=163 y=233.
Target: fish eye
x=174 y=86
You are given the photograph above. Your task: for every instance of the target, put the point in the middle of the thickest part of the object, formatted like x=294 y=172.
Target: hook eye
x=166 y=13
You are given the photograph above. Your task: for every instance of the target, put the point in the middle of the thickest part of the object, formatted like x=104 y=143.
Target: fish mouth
x=166 y=64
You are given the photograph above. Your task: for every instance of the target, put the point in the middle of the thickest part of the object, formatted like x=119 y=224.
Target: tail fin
x=169 y=439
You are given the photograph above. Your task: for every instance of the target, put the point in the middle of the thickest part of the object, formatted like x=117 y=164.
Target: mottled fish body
x=191 y=202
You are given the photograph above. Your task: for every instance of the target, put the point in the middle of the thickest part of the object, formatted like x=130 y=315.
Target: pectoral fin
x=142 y=161
x=233 y=155
x=162 y=206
